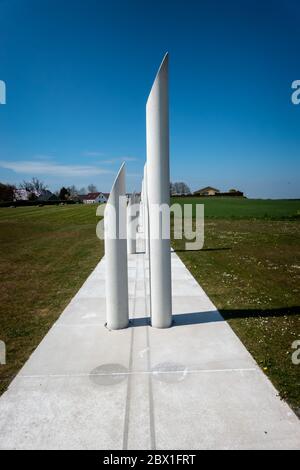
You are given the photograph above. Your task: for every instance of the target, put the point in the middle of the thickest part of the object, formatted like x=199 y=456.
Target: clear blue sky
x=78 y=74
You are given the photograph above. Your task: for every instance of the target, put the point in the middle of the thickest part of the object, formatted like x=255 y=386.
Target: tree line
x=179 y=189
x=35 y=187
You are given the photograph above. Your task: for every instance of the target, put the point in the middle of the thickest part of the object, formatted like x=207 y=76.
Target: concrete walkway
x=193 y=386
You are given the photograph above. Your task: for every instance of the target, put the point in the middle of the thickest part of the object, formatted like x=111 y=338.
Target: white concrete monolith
x=146 y=212
x=116 y=255
x=141 y=217
x=131 y=225
x=158 y=189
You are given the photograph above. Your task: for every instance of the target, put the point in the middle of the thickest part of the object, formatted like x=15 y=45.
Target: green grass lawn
x=242 y=208
x=46 y=254
x=250 y=268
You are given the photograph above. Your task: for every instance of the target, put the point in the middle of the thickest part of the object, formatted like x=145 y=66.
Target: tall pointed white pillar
x=158 y=188
x=116 y=255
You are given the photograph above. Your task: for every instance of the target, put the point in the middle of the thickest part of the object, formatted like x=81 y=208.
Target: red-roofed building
x=93 y=198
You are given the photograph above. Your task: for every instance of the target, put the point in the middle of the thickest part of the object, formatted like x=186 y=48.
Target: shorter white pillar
x=117 y=316
x=142 y=209
x=131 y=225
x=146 y=212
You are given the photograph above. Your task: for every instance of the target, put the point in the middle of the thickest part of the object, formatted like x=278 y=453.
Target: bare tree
x=92 y=188
x=35 y=186
x=181 y=188
x=186 y=189
x=64 y=194
x=172 y=189
x=6 y=192
x=73 y=191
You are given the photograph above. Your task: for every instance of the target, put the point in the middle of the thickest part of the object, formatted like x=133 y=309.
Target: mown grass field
x=46 y=254
x=242 y=208
x=250 y=267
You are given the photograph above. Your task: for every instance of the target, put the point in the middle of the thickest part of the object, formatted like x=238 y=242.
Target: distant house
x=46 y=195
x=210 y=191
x=207 y=191
x=21 y=195
x=136 y=195
x=93 y=198
x=128 y=195
x=24 y=195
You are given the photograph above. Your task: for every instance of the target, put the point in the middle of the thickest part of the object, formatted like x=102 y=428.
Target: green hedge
x=36 y=203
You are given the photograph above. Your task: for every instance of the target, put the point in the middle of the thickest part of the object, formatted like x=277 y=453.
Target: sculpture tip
x=120 y=172
x=163 y=65
x=164 y=62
